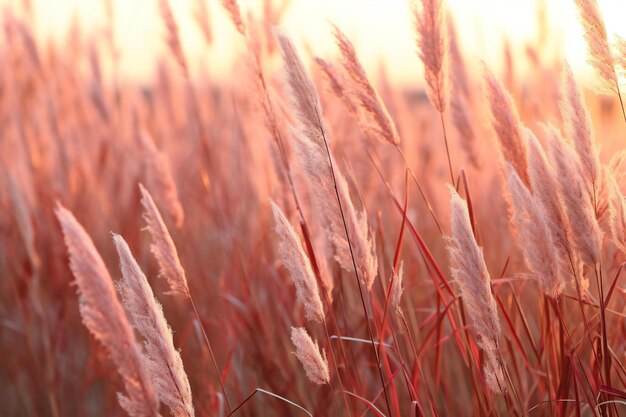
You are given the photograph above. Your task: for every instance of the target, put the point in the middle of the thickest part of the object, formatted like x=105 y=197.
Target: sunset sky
x=381 y=30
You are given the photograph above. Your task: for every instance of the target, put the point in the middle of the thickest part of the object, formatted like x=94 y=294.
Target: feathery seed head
x=538 y=248
x=470 y=273
x=577 y=198
x=308 y=353
x=432 y=40
x=600 y=55
x=232 y=7
x=173 y=40
x=578 y=128
x=507 y=125
x=303 y=96
x=295 y=259
x=104 y=317
x=161 y=179
x=363 y=247
x=397 y=288
x=162 y=247
x=375 y=118
x=617 y=209
x=337 y=84
x=313 y=155
x=164 y=362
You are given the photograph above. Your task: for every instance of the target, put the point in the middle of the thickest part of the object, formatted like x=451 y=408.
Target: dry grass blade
x=577 y=199
x=173 y=39
x=600 y=55
x=104 y=316
x=617 y=209
x=164 y=362
x=161 y=179
x=470 y=271
x=337 y=84
x=463 y=123
x=218 y=128
x=310 y=148
x=163 y=247
x=621 y=54
x=533 y=228
x=308 y=353
x=23 y=217
x=361 y=239
x=309 y=138
x=578 y=129
x=303 y=95
x=461 y=100
x=271 y=394
x=471 y=275
x=431 y=27
x=308 y=110
x=397 y=289
x=164 y=250
x=375 y=118
x=202 y=17
x=507 y=125
x=294 y=258
x=232 y=7
x=549 y=203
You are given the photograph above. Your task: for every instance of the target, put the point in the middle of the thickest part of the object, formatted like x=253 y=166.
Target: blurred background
x=93 y=102
x=381 y=30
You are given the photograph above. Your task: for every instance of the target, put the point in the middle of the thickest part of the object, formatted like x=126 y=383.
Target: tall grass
x=281 y=263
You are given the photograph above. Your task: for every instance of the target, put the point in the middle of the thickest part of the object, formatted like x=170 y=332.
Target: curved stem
x=333 y=358
x=621 y=103
x=206 y=340
x=356 y=271
x=419 y=187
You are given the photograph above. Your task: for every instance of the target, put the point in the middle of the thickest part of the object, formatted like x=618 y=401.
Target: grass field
x=308 y=238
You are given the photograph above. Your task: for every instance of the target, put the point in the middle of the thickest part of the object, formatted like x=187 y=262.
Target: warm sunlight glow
x=381 y=30
x=329 y=208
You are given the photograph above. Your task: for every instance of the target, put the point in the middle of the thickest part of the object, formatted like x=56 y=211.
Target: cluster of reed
x=302 y=277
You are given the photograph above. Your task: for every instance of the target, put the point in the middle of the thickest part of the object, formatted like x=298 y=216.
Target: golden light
x=381 y=30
